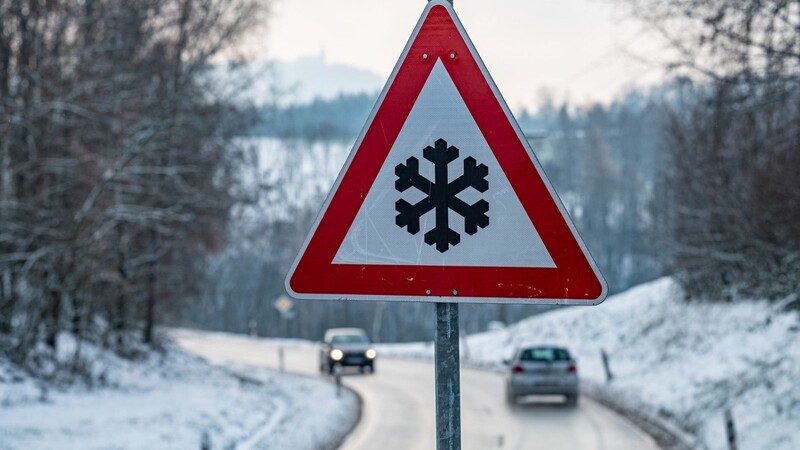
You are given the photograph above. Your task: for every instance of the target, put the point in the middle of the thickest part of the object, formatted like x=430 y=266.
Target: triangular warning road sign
x=441 y=198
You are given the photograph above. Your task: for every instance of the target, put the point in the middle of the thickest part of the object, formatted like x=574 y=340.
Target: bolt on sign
x=442 y=198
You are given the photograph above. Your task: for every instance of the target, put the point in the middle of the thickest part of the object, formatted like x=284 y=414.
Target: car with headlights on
x=347 y=347
x=542 y=370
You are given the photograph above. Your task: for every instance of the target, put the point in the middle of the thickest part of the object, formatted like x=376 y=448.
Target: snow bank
x=315 y=417
x=688 y=361
x=168 y=400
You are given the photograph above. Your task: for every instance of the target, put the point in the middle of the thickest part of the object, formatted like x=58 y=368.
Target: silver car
x=542 y=370
x=346 y=347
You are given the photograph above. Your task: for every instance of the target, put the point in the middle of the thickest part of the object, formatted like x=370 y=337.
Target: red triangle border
x=575 y=279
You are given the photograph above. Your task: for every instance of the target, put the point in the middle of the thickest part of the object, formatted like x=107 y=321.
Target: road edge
x=359 y=416
x=334 y=444
x=666 y=434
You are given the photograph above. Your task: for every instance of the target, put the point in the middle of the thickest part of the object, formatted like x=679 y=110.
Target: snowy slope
x=687 y=360
x=170 y=400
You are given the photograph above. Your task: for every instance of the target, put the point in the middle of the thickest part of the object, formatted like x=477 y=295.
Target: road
x=398 y=404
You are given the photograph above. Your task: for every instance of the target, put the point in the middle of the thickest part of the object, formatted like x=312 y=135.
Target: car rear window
x=544 y=354
x=349 y=339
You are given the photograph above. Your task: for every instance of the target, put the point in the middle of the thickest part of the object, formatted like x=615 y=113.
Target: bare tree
x=116 y=161
x=730 y=202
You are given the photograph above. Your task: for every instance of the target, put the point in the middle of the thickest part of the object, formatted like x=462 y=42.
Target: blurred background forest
x=695 y=178
x=142 y=183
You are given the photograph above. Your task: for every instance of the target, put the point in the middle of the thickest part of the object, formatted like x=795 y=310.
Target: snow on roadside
x=165 y=400
x=316 y=418
x=687 y=360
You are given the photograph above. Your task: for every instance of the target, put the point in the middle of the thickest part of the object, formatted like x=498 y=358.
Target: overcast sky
x=577 y=49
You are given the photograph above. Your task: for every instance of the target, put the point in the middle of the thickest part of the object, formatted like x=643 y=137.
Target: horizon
x=607 y=49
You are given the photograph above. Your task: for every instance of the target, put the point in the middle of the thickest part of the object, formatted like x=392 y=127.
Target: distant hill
x=339 y=118
x=310 y=98
x=305 y=79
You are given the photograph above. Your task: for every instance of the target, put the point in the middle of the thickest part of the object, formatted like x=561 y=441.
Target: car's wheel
x=572 y=400
x=511 y=398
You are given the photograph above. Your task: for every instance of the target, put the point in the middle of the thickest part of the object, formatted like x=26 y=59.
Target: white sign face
x=510 y=239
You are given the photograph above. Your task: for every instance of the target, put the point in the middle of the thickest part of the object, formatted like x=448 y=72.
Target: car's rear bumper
x=544 y=387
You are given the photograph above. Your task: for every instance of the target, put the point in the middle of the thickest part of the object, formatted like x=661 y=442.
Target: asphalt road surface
x=398 y=404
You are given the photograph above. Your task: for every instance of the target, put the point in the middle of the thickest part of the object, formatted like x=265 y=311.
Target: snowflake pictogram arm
x=408 y=176
x=474 y=177
x=474 y=215
x=408 y=215
x=440 y=155
x=442 y=237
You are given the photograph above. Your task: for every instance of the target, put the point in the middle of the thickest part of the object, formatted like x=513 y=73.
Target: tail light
x=517 y=369
x=572 y=368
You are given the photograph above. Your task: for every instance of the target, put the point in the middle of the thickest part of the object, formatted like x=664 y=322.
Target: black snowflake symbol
x=442 y=195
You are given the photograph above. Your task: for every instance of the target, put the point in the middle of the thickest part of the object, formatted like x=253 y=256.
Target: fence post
x=730 y=429
x=205 y=441
x=337 y=375
x=606 y=366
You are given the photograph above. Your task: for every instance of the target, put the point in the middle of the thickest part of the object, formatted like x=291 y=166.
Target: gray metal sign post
x=448 y=378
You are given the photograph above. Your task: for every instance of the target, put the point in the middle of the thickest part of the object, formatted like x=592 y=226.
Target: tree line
x=729 y=194
x=117 y=163
x=696 y=179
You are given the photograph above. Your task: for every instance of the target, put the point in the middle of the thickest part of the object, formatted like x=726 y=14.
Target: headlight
x=371 y=353
x=337 y=354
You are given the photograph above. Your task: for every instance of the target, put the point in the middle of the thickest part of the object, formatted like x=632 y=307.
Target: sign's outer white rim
x=448 y=299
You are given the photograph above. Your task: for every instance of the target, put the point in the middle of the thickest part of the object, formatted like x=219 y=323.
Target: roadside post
x=337 y=376
x=730 y=430
x=442 y=200
x=606 y=366
x=284 y=306
x=205 y=441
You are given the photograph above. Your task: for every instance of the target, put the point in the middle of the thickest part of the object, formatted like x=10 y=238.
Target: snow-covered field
x=169 y=400
x=685 y=361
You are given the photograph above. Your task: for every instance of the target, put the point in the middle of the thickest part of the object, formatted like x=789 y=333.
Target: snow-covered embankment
x=686 y=361
x=169 y=400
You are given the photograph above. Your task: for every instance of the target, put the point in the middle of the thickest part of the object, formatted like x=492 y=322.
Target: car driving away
x=542 y=370
x=347 y=347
